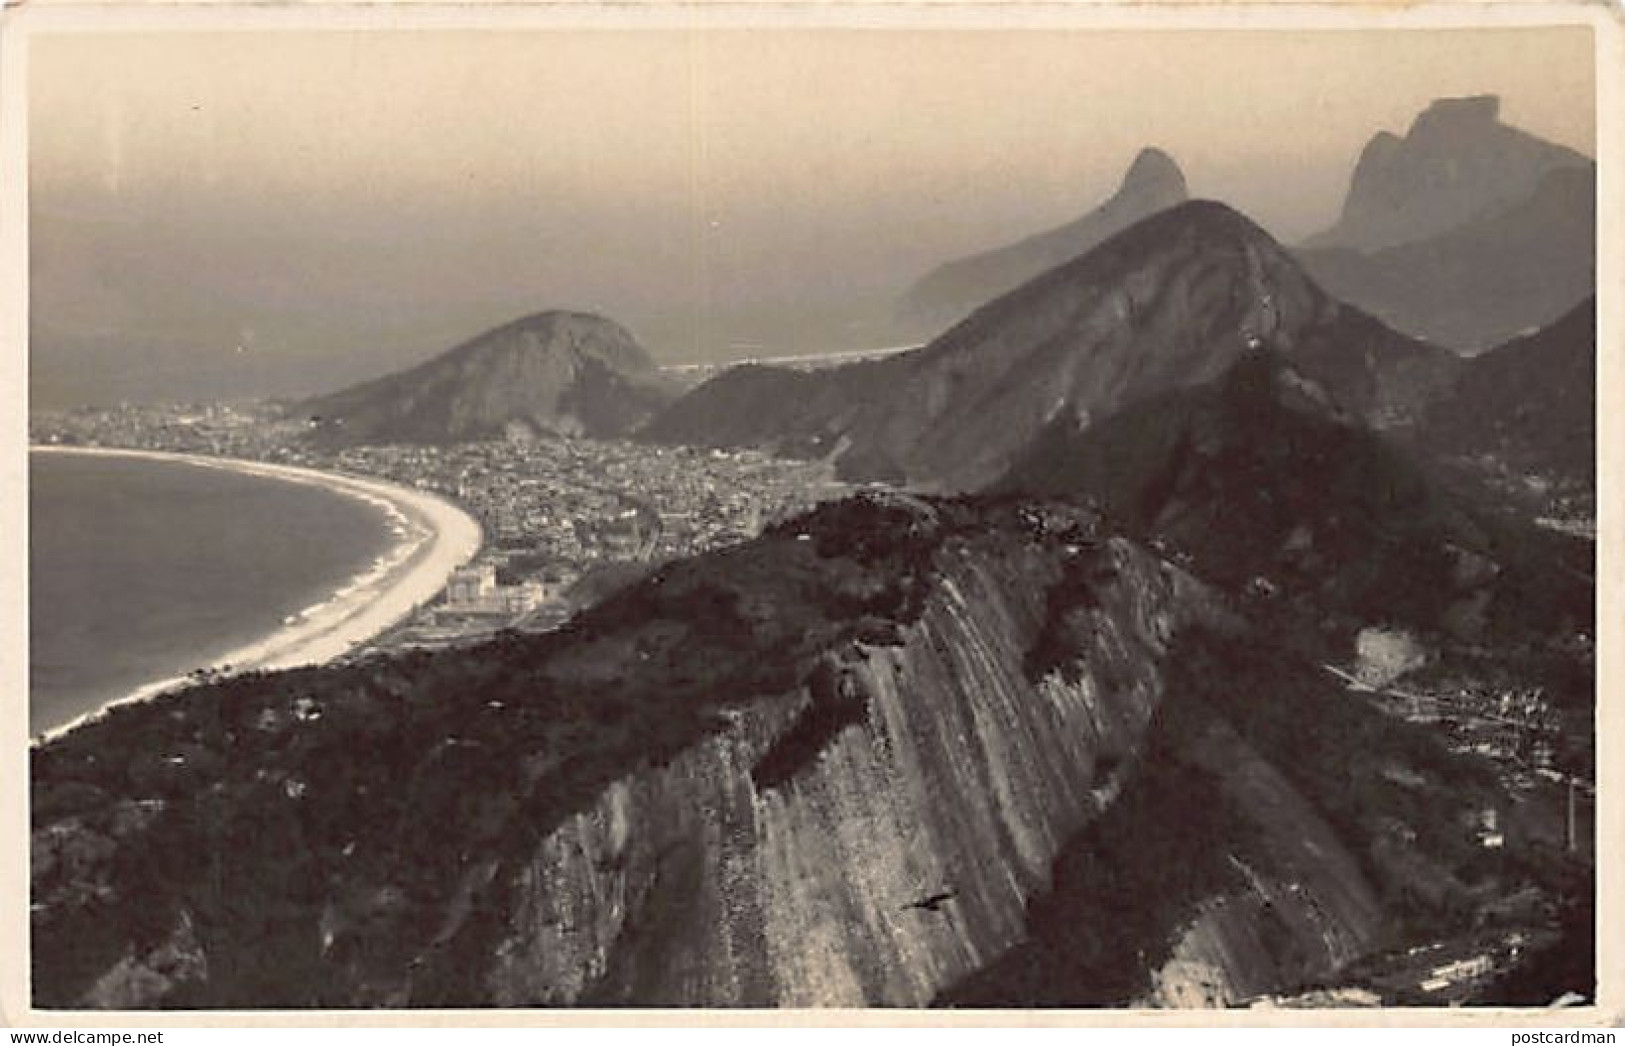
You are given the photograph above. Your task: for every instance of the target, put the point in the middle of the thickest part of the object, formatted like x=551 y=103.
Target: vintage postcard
x=867 y=512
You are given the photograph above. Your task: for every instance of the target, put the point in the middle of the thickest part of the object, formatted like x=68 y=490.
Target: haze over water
x=285 y=213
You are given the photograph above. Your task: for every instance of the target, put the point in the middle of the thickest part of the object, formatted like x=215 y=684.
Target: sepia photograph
x=818 y=508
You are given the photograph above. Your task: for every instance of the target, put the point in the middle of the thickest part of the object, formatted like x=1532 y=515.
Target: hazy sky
x=277 y=212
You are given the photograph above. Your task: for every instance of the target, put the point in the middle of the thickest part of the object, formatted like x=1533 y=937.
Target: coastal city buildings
x=562 y=518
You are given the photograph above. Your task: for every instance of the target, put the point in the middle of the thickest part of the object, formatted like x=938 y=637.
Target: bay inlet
x=147 y=566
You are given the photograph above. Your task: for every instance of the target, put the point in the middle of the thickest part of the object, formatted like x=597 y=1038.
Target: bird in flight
x=931 y=904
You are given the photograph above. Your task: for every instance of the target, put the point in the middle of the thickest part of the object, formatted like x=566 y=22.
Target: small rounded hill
x=560 y=372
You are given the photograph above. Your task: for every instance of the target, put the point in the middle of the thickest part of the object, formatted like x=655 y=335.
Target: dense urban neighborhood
x=564 y=518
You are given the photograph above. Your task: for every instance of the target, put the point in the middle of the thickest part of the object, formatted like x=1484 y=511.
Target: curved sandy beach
x=433 y=538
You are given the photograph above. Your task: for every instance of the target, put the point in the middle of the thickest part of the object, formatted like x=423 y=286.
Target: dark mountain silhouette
x=1458 y=160
x=1262 y=480
x=1504 y=270
x=566 y=373
x=1152 y=183
x=1168 y=303
x=1529 y=404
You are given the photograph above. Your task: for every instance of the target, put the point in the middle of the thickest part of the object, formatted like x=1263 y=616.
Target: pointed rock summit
x=1457 y=160
x=1170 y=302
x=1152 y=183
x=1465 y=232
x=1154 y=172
x=564 y=373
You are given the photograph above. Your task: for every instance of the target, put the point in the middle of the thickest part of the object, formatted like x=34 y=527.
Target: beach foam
x=432 y=538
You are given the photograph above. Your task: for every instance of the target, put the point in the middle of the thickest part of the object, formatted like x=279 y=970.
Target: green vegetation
x=1254 y=477
x=351 y=835
x=1339 y=754
x=602 y=579
x=1055 y=649
x=836 y=702
x=1528 y=403
x=315 y=825
x=1568 y=961
x=1124 y=885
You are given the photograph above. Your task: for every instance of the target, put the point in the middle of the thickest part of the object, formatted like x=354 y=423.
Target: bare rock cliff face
x=862 y=761
x=690 y=886
x=698 y=885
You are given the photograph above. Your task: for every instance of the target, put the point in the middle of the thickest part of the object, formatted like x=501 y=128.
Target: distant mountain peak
x=556 y=319
x=1202 y=243
x=1154 y=169
x=1151 y=182
x=1225 y=236
x=1167 y=303
x=1499 y=272
x=1455 y=162
x=559 y=371
x=568 y=330
x=1470 y=110
x=564 y=319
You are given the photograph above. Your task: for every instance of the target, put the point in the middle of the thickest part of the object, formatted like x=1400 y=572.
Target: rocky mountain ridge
x=834 y=766
x=1168 y=303
x=1502 y=271
x=1529 y=405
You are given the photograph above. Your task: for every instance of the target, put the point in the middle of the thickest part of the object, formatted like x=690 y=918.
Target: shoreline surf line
x=431 y=538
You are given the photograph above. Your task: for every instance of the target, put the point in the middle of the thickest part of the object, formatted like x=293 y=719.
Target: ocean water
x=144 y=570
